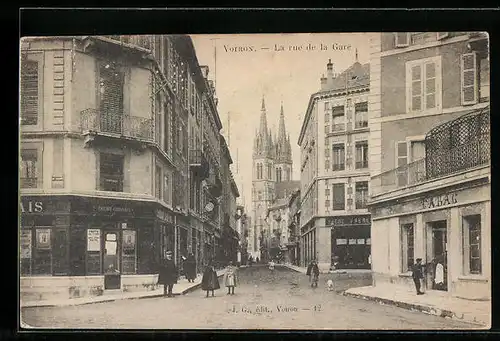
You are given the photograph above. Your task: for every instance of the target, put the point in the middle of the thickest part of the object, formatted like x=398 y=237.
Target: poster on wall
x=93 y=240
x=25 y=244
x=128 y=239
x=43 y=238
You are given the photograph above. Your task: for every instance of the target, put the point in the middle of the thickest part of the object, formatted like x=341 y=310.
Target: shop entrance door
x=439 y=268
x=111 y=261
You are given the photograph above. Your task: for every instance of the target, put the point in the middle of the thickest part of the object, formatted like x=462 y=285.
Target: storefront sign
x=128 y=239
x=114 y=209
x=438 y=201
x=31 y=206
x=348 y=220
x=25 y=244
x=93 y=240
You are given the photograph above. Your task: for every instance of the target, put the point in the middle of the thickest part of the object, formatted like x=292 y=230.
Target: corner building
x=430 y=160
x=105 y=161
x=334 y=219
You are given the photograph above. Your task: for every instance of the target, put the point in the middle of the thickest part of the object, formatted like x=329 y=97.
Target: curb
x=418 y=307
x=110 y=299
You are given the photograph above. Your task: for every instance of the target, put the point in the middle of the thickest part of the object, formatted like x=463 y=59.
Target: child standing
x=314 y=274
x=231 y=278
x=210 y=282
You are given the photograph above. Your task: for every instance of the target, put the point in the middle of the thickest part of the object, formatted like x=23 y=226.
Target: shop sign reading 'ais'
x=31 y=206
x=348 y=220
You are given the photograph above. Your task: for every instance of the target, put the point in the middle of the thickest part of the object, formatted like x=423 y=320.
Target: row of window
x=338 y=118
x=339 y=156
x=338 y=192
x=279 y=173
x=471 y=245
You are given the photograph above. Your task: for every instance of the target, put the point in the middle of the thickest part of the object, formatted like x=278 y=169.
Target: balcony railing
x=338 y=127
x=112 y=123
x=30 y=183
x=361 y=164
x=338 y=166
x=453 y=147
x=360 y=124
x=195 y=157
x=138 y=40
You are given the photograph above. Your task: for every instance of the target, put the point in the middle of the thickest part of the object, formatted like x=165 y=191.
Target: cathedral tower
x=262 y=177
x=272 y=163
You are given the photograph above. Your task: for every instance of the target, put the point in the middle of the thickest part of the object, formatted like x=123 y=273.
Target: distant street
x=280 y=299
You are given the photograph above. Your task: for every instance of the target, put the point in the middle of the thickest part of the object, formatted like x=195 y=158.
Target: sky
x=281 y=67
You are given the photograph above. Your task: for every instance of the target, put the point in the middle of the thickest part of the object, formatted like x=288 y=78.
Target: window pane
x=402 y=151
x=416 y=103
x=111 y=172
x=416 y=73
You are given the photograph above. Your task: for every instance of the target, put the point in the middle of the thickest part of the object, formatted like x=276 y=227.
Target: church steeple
x=282 y=143
x=262 y=143
x=281 y=129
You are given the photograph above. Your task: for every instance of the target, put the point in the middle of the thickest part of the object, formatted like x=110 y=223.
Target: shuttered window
x=469 y=78
x=401 y=162
x=423 y=82
x=29 y=92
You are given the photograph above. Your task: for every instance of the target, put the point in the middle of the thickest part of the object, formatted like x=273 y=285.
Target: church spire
x=263 y=119
x=281 y=128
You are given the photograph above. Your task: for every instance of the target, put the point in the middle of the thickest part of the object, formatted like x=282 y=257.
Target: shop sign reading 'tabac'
x=348 y=220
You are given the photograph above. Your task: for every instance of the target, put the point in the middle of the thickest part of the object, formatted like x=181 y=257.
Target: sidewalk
x=339 y=271
x=434 y=302
x=181 y=288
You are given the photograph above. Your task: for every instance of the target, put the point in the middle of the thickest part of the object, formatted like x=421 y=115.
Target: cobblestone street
x=265 y=299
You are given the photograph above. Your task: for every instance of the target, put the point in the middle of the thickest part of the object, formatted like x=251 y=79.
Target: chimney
x=329 y=70
x=204 y=70
x=323 y=82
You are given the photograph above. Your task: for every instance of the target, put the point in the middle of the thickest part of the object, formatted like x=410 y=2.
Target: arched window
x=278 y=174
x=269 y=172
x=287 y=175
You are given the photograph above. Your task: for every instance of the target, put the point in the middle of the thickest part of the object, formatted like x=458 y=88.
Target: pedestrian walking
x=231 y=278
x=190 y=268
x=308 y=271
x=168 y=274
x=257 y=260
x=271 y=265
x=209 y=281
x=314 y=274
x=439 y=274
x=417 y=275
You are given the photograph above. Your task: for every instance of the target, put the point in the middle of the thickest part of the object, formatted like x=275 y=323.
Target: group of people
x=168 y=275
x=436 y=266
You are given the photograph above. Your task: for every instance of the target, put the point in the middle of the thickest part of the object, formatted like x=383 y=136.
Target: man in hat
x=168 y=274
x=417 y=275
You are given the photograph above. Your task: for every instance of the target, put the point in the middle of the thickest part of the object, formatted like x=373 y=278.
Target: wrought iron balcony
x=30 y=183
x=452 y=147
x=142 y=41
x=338 y=127
x=134 y=127
x=195 y=158
x=361 y=164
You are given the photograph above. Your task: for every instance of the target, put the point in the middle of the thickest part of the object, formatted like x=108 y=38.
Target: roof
x=356 y=75
x=285 y=188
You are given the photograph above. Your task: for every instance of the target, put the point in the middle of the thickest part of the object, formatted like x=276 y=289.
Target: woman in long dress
x=231 y=278
x=209 y=281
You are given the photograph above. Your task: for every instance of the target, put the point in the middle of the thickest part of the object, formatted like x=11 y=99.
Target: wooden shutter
x=415 y=88
x=29 y=92
x=442 y=35
x=401 y=162
x=430 y=88
x=402 y=39
x=469 y=78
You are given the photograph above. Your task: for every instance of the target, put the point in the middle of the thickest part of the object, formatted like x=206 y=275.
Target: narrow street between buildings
x=265 y=299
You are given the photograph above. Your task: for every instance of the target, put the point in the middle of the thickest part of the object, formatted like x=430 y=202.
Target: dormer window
x=402 y=39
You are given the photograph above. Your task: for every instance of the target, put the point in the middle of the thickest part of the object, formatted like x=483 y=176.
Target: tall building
x=335 y=222
x=110 y=175
x=430 y=160
x=272 y=164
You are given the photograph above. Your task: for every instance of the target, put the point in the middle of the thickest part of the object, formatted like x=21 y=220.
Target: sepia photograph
x=298 y=181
